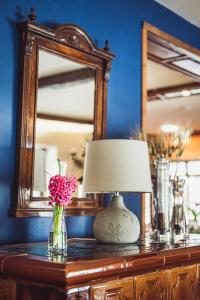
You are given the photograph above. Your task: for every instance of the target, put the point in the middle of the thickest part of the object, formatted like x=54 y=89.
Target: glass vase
x=162 y=199
x=179 y=219
x=57 y=242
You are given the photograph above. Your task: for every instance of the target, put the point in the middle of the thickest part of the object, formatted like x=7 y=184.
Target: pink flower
x=61 y=189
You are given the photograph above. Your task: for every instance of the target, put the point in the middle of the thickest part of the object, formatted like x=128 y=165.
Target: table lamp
x=114 y=166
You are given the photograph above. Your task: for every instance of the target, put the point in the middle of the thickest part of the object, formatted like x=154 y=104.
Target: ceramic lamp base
x=116 y=224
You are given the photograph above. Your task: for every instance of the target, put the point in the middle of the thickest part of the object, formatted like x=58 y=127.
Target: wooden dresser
x=101 y=272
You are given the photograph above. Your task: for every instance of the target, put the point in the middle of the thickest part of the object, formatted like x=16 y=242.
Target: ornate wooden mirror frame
x=178 y=52
x=71 y=42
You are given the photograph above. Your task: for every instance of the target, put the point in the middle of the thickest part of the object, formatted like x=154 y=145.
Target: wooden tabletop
x=87 y=261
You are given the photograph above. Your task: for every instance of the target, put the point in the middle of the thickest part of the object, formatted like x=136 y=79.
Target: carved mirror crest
x=63 y=95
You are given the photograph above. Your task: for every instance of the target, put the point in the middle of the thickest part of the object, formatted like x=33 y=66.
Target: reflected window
x=190 y=171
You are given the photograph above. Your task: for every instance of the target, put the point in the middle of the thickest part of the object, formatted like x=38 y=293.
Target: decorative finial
x=32 y=16
x=107 y=46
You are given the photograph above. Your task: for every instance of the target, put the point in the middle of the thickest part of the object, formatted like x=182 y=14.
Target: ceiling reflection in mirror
x=65 y=119
x=173 y=98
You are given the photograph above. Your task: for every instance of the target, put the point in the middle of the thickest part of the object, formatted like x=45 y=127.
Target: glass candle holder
x=179 y=219
x=162 y=197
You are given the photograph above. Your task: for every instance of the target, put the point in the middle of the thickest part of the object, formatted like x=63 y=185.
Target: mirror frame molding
x=71 y=42
x=146 y=29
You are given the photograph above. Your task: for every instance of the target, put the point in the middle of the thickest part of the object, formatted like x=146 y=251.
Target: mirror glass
x=64 y=119
x=173 y=105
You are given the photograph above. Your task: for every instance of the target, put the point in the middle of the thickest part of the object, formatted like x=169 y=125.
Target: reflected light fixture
x=185 y=93
x=114 y=166
x=169 y=128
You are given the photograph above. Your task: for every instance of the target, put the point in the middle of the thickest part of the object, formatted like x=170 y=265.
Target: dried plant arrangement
x=79 y=159
x=166 y=145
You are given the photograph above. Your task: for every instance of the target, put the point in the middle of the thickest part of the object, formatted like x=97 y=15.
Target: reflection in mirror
x=65 y=119
x=172 y=105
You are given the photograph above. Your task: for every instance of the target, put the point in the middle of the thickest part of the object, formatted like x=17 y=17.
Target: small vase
x=57 y=242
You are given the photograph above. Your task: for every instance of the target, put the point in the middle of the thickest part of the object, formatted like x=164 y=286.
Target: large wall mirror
x=63 y=94
x=171 y=94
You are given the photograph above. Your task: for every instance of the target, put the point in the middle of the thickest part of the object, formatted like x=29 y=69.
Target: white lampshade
x=117 y=166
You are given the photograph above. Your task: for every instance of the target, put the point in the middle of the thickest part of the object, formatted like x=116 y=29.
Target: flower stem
x=59 y=167
x=57 y=219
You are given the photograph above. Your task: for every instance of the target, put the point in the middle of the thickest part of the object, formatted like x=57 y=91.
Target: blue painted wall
x=116 y=20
